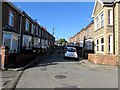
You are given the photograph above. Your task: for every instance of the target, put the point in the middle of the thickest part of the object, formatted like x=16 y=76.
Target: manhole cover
x=60 y=76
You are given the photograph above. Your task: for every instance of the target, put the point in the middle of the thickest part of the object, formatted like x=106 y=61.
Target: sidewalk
x=10 y=77
x=86 y=63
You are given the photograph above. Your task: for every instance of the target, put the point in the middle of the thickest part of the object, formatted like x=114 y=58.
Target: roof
x=102 y=2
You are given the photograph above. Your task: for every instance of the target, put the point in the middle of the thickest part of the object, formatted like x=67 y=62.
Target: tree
x=62 y=41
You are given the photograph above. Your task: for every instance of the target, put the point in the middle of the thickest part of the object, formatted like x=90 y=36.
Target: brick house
x=11 y=17
x=103 y=33
x=27 y=32
x=89 y=45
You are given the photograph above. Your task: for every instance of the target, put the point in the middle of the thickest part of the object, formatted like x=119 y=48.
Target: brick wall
x=103 y=59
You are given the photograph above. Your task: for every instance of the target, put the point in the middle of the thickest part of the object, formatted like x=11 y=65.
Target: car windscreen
x=71 y=50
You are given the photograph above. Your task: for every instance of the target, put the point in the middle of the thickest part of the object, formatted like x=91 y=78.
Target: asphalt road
x=53 y=71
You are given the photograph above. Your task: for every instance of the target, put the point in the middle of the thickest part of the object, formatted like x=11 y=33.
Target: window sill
x=99 y=29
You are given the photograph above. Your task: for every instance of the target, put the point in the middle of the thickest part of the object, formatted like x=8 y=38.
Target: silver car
x=71 y=52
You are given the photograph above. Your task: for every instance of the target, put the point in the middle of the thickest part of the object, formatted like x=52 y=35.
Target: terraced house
x=103 y=14
x=20 y=34
x=11 y=18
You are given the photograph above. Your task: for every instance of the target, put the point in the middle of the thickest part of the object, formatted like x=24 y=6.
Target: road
x=53 y=71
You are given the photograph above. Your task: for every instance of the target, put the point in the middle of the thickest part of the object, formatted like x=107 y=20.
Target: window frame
x=97 y=23
x=110 y=17
x=102 y=45
x=27 y=25
x=11 y=14
x=102 y=19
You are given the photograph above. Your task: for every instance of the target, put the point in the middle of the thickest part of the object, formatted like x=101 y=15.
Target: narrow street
x=56 y=72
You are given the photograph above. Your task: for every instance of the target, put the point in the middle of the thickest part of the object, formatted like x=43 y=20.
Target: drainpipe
x=113 y=30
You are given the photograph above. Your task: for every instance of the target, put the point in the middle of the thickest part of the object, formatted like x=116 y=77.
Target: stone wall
x=103 y=59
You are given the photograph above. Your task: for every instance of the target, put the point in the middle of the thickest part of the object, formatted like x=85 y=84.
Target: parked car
x=71 y=52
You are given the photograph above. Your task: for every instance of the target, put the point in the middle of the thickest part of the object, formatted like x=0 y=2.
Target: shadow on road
x=52 y=59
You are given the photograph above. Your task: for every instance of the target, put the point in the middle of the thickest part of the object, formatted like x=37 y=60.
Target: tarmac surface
x=53 y=71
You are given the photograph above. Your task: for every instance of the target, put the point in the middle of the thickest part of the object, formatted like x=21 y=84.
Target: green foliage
x=62 y=41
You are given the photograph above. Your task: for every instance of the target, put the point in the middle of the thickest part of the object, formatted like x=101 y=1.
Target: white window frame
x=37 y=30
x=27 y=25
x=32 y=28
x=110 y=17
x=97 y=23
x=11 y=17
x=102 y=44
x=110 y=44
x=97 y=45
x=102 y=19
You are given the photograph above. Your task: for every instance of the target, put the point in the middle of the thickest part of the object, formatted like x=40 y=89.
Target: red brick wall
x=103 y=59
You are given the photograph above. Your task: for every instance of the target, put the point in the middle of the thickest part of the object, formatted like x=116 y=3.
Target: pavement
x=10 y=77
x=89 y=64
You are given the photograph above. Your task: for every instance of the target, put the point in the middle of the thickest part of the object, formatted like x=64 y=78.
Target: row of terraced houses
x=103 y=34
x=20 y=33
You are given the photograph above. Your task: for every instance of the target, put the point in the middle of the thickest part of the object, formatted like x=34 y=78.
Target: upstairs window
x=27 y=25
x=37 y=30
x=96 y=23
x=32 y=29
x=11 y=18
x=102 y=19
x=110 y=17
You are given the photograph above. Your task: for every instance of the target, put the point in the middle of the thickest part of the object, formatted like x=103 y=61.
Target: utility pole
x=53 y=32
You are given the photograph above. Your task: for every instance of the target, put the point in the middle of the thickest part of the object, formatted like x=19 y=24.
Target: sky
x=67 y=18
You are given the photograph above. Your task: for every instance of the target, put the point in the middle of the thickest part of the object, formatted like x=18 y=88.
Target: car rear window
x=71 y=50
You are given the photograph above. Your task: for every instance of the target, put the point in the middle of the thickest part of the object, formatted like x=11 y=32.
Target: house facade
x=11 y=18
x=103 y=32
x=106 y=30
x=19 y=31
x=84 y=38
x=88 y=35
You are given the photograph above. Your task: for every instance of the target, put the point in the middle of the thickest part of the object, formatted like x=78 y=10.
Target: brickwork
x=2 y=57
x=103 y=59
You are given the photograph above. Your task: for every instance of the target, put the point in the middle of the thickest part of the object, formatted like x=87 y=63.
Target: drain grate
x=60 y=76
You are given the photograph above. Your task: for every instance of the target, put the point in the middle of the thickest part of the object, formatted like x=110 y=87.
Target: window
x=37 y=30
x=97 y=43
x=102 y=44
x=110 y=44
x=102 y=19
x=27 y=25
x=96 y=23
x=11 y=18
x=110 y=17
x=32 y=29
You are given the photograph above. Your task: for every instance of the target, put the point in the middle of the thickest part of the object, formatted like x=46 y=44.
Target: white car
x=71 y=52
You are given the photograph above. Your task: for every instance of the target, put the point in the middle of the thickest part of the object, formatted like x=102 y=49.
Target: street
x=53 y=71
